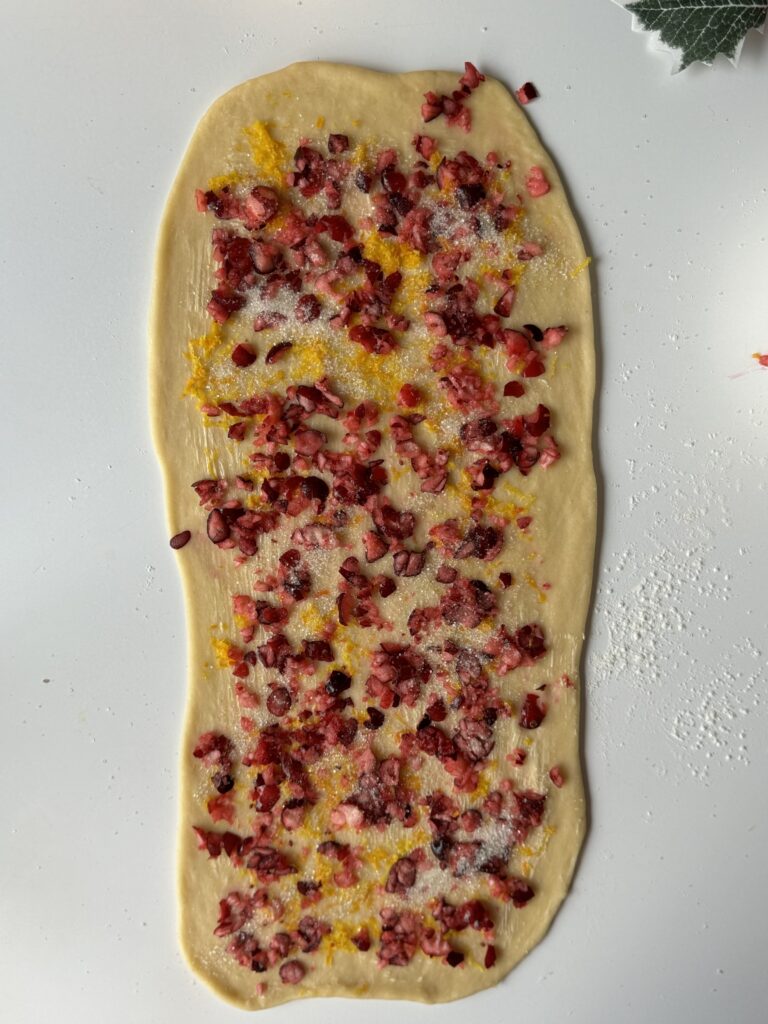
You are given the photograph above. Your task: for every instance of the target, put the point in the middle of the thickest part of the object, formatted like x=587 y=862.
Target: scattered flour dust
x=667 y=670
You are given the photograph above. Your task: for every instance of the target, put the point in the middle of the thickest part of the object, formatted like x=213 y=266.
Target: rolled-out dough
x=551 y=560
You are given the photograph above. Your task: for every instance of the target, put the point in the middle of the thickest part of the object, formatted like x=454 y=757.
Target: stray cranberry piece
x=556 y=776
x=505 y=579
x=278 y=351
x=243 y=355
x=490 y=957
x=532 y=713
x=180 y=539
x=454 y=958
x=536 y=183
x=514 y=389
x=338 y=143
x=527 y=92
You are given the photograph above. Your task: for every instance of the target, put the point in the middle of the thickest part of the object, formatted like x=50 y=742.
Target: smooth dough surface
x=554 y=290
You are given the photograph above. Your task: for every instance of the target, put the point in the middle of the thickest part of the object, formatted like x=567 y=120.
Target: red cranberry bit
x=362 y=180
x=557 y=776
x=243 y=355
x=533 y=712
x=260 y=207
x=278 y=351
x=362 y=940
x=408 y=396
x=469 y=196
x=375 y=719
x=536 y=183
x=514 y=389
x=307 y=308
x=224 y=302
x=222 y=782
x=490 y=957
x=279 y=701
x=292 y=972
x=337 y=683
x=180 y=539
x=505 y=579
x=386 y=586
x=317 y=650
x=217 y=527
x=338 y=143
x=526 y=93
x=471 y=77
x=401 y=876
x=266 y=796
x=454 y=958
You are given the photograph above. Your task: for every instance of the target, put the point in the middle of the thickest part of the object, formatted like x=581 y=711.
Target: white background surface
x=666 y=920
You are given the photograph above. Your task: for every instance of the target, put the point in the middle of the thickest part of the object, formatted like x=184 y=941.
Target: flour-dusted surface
x=666 y=919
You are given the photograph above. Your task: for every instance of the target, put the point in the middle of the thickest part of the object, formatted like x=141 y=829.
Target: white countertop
x=669 y=177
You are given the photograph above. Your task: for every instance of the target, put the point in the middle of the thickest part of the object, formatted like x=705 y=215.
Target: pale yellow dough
x=559 y=550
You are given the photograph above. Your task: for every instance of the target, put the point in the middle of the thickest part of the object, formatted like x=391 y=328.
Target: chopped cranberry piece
x=292 y=972
x=375 y=340
x=180 y=539
x=446 y=574
x=279 y=701
x=337 y=683
x=260 y=207
x=375 y=546
x=362 y=940
x=338 y=143
x=362 y=181
x=223 y=782
x=375 y=719
x=505 y=579
x=386 y=586
x=533 y=712
x=224 y=302
x=307 y=308
x=536 y=183
x=514 y=389
x=318 y=650
x=243 y=355
x=217 y=527
x=314 y=488
x=408 y=396
x=557 y=777
x=278 y=351
x=469 y=196
x=401 y=876
x=526 y=93
x=454 y=958
x=490 y=957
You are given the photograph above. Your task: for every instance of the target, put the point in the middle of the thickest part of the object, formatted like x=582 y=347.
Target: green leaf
x=697 y=30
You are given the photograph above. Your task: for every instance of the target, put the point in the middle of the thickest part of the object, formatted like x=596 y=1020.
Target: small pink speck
x=762 y=358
